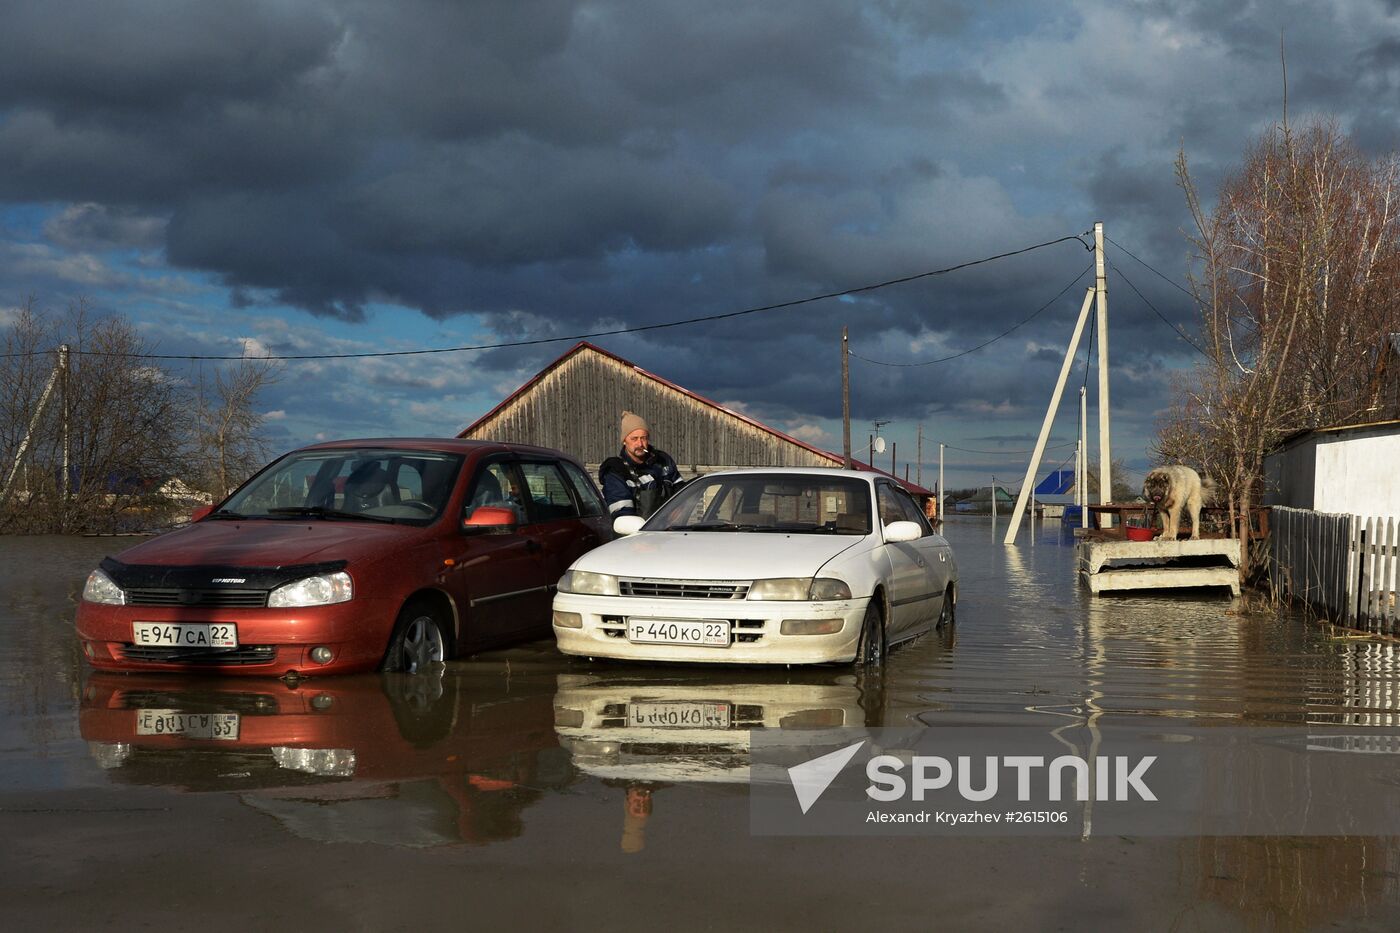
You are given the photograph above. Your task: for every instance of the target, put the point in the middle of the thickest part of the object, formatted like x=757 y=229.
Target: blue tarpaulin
x=1057 y=483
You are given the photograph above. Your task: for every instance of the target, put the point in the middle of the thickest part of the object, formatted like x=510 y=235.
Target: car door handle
x=531 y=546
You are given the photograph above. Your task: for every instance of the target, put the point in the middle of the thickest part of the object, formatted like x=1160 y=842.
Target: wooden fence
x=1343 y=564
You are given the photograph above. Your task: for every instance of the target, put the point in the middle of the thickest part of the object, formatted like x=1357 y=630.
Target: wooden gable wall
x=577 y=407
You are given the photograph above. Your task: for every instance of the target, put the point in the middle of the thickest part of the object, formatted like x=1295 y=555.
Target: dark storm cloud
x=560 y=167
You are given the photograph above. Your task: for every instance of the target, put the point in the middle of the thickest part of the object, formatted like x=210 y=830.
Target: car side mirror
x=490 y=520
x=628 y=524
x=200 y=512
x=896 y=532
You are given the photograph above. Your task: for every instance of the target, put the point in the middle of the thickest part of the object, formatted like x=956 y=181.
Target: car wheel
x=422 y=708
x=870 y=654
x=947 y=617
x=419 y=640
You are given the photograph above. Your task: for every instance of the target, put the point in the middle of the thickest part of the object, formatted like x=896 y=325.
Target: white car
x=765 y=566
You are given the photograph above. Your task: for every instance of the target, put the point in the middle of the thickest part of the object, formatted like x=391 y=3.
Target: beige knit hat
x=631 y=422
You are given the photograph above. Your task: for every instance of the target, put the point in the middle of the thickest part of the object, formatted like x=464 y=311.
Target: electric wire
x=1005 y=333
x=1078 y=238
x=1176 y=330
x=1177 y=285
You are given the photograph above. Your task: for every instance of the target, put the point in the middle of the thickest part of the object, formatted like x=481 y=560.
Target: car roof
x=439 y=444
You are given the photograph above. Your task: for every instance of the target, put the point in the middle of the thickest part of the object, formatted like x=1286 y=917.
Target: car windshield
x=786 y=503
x=403 y=486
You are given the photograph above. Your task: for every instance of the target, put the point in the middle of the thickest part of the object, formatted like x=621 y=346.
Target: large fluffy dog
x=1169 y=489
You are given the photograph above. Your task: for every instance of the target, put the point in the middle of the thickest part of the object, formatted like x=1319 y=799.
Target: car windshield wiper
x=225 y=513
x=323 y=512
x=713 y=526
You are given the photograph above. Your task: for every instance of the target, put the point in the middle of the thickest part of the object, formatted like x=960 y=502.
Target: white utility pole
x=942 y=493
x=846 y=399
x=1082 y=480
x=1105 y=448
x=54 y=377
x=1049 y=418
x=63 y=403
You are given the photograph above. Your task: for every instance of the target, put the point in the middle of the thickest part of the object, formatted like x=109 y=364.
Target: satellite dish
x=879 y=445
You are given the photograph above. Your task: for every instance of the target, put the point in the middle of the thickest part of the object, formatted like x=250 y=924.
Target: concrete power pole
x=1081 y=481
x=63 y=401
x=1105 y=448
x=919 y=468
x=846 y=397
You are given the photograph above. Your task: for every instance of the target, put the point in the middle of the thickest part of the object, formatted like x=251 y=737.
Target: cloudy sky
x=338 y=177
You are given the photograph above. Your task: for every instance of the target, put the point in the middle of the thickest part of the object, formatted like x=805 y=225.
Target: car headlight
x=791 y=588
x=588 y=584
x=99 y=588
x=320 y=590
x=324 y=762
x=829 y=588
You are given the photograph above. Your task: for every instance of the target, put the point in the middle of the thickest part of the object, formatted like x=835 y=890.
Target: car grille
x=685 y=589
x=244 y=654
x=247 y=704
x=210 y=599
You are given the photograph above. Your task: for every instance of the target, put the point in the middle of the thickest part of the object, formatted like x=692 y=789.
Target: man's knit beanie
x=631 y=422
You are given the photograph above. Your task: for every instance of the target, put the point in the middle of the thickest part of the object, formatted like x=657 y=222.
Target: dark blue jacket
x=632 y=488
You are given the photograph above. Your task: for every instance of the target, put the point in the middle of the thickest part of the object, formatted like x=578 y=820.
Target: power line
x=603 y=333
x=988 y=343
x=1017 y=453
x=1145 y=264
x=1177 y=330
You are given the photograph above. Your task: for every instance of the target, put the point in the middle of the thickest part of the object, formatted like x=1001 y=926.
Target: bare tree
x=1296 y=275
x=227 y=438
x=117 y=424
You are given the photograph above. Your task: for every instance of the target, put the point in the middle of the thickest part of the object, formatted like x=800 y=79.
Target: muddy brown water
x=495 y=793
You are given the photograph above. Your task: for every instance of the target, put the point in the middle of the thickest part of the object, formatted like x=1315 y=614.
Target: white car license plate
x=679 y=632
x=186 y=634
x=679 y=715
x=222 y=726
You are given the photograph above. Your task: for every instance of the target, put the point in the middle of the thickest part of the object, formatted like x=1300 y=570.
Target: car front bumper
x=756 y=629
x=271 y=641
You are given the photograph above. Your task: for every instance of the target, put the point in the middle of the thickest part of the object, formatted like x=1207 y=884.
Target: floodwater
x=527 y=789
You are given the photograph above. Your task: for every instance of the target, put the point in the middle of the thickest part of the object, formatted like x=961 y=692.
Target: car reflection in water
x=645 y=731
x=408 y=760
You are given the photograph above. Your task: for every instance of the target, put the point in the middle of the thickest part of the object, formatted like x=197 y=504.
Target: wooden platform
x=1109 y=565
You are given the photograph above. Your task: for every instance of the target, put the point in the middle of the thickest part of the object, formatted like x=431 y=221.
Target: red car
x=349 y=556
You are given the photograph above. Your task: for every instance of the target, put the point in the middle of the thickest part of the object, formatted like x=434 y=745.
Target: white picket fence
x=1344 y=564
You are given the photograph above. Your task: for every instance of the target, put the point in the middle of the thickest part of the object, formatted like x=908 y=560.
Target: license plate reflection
x=218 y=726
x=678 y=715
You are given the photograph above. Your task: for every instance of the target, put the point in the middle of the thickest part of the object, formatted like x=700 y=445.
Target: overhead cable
x=602 y=333
x=988 y=343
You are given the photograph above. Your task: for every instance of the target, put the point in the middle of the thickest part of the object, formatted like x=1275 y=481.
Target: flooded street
x=522 y=787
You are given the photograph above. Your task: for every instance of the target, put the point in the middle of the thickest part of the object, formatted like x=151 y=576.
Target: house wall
x=1358 y=475
x=1355 y=472
x=577 y=407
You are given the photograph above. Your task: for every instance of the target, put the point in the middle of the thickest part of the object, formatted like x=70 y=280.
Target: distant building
x=1349 y=469
x=981 y=501
x=575 y=404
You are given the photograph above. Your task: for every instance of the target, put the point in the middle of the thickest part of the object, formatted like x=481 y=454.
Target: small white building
x=1353 y=470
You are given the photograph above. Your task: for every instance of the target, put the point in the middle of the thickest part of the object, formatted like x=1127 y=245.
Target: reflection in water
x=644 y=730
x=396 y=760
x=436 y=762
